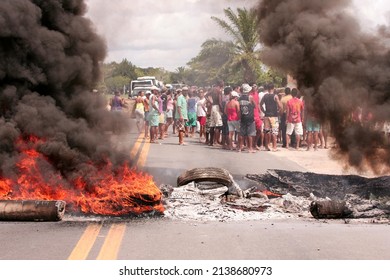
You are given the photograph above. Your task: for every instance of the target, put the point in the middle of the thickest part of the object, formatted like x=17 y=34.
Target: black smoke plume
x=49 y=64
x=342 y=72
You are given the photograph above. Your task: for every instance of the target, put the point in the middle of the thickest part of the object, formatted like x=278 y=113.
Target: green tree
x=125 y=69
x=213 y=62
x=244 y=50
x=117 y=83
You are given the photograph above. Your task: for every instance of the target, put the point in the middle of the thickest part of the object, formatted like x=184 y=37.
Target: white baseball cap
x=246 y=88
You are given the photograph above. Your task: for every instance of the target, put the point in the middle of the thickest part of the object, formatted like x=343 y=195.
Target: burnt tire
x=329 y=209
x=205 y=174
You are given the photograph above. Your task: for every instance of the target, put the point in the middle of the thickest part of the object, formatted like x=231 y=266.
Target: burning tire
x=207 y=174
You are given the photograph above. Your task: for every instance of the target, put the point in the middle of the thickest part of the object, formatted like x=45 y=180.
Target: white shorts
x=297 y=127
x=216 y=117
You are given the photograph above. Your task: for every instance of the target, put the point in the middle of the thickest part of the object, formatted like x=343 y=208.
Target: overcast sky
x=168 y=33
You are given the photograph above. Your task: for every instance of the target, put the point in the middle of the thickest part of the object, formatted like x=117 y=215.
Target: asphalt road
x=160 y=238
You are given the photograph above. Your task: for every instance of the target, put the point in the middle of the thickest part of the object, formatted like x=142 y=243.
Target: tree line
x=234 y=61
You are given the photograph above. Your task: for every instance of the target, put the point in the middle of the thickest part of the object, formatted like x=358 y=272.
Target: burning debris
x=116 y=193
x=54 y=143
x=365 y=197
x=280 y=194
x=342 y=72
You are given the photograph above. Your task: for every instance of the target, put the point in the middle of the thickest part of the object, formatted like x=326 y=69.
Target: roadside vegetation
x=235 y=61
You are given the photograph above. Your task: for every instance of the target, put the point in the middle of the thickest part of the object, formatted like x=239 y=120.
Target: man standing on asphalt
x=247 y=123
x=232 y=111
x=294 y=117
x=262 y=91
x=272 y=106
x=216 y=114
x=181 y=115
x=283 y=120
x=154 y=113
x=201 y=115
x=258 y=123
x=147 y=111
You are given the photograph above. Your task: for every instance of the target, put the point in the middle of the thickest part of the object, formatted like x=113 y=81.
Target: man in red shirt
x=294 y=118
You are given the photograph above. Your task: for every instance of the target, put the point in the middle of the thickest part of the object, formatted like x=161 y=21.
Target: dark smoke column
x=49 y=62
x=339 y=69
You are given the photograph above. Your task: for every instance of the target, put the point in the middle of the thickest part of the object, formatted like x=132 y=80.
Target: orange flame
x=125 y=191
x=271 y=194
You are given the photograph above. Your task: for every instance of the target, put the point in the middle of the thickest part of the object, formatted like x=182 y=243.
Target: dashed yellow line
x=142 y=152
x=143 y=155
x=110 y=248
x=83 y=247
x=113 y=240
x=137 y=145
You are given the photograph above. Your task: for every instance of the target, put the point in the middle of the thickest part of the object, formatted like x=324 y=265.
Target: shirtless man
x=257 y=115
x=215 y=97
x=271 y=108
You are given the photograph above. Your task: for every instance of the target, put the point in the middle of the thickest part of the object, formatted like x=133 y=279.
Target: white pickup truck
x=143 y=82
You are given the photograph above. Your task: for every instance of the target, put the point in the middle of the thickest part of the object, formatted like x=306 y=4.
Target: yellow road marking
x=115 y=235
x=110 y=248
x=142 y=157
x=82 y=248
x=137 y=145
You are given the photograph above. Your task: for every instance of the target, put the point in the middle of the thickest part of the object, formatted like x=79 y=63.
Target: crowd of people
x=238 y=118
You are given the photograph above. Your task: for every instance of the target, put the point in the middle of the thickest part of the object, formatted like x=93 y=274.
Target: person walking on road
x=181 y=116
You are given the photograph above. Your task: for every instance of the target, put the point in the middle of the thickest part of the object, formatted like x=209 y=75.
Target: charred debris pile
x=212 y=194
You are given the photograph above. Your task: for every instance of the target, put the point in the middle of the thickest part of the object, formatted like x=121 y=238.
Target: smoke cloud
x=341 y=71
x=49 y=63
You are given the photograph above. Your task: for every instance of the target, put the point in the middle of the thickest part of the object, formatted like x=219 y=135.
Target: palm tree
x=242 y=27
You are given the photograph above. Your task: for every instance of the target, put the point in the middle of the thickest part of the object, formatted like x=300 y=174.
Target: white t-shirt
x=200 y=112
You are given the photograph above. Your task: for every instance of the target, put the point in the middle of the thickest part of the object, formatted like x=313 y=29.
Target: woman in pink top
x=232 y=110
